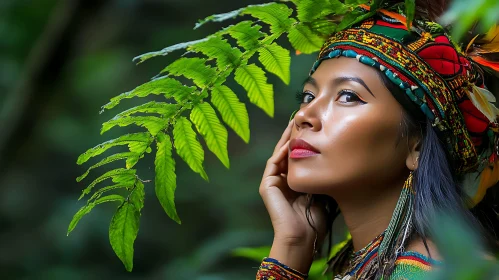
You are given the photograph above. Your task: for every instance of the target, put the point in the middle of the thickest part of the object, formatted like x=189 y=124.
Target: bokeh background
x=59 y=62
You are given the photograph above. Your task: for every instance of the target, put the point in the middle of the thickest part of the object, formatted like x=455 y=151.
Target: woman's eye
x=304 y=97
x=346 y=96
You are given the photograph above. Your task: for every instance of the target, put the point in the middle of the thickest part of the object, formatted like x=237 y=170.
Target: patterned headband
x=440 y=80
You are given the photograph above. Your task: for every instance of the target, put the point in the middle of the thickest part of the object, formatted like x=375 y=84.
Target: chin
x=306 y=184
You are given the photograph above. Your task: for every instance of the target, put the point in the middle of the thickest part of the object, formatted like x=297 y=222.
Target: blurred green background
x=59 y=62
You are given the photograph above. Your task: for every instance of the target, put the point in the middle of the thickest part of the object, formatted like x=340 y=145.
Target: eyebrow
x=339 y=80
x=311 y=81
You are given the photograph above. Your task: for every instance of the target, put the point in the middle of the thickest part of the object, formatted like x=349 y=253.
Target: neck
x=368 y=214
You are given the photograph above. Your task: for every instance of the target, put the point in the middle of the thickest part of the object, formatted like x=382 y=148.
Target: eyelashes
x=344 y=97
x=300 y=95
x=349 y=96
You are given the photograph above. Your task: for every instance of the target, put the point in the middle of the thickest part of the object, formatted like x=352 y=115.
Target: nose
x=308 y=117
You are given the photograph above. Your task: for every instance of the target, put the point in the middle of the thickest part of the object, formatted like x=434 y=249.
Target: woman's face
x=353 y=123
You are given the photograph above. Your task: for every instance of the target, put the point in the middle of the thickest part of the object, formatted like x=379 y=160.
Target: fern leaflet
x=141 y=58
x=87 y=208
x=218 y=48
x=188 y=147
x=192 y=68
x=275 y=14
x=163 y=85
x=252 y=79
x=276 y=60
x=152 y=124
x=136 y=142
x=214 y=133
x=304 y=40
x=106 y=160
x=125 y=226
x=233 y=111
x=165 y=181
x=246 y=34
x=119 y=176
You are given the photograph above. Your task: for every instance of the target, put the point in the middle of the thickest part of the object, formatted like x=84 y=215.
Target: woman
x=393 y=128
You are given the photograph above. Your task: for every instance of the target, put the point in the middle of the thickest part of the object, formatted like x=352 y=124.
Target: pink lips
x=301 y=149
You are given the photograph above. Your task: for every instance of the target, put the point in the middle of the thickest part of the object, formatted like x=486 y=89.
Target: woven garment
x=439 y=81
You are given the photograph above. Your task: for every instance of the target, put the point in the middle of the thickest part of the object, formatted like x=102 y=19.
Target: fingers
x=275 y=164
x=285 y=136
x=276 y=196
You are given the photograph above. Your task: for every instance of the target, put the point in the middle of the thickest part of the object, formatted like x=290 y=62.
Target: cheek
x=355 y=148
x=362 y=135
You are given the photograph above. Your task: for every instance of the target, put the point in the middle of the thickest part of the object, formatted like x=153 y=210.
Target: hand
x=294 y=238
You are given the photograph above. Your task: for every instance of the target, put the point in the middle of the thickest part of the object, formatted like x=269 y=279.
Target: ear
x=413 y=155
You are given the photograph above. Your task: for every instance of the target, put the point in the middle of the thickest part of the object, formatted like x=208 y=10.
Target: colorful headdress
x=443 y=82
x=439 y=81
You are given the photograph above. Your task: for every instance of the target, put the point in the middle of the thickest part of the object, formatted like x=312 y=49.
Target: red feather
x=494 y=65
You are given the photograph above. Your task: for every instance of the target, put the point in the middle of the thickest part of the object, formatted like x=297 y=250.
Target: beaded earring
x=399 y=227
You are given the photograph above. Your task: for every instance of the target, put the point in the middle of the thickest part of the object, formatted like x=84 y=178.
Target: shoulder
x=429 y=251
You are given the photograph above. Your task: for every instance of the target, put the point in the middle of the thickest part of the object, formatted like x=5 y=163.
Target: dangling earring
x=399 y=227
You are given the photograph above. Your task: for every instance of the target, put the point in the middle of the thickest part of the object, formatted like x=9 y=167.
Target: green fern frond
x=219 y=49
x=152 y=124
x=165 y=181
x=188 y=147
x=214 y=133
x=209 y=63
x=304 y=40
x=192 y=68
x=252 y=79
x=163 y=85
x=88 y=207
x=136 y=142
x=119 y=176
x=276 y=60
x=246 y=34
x=233 y=111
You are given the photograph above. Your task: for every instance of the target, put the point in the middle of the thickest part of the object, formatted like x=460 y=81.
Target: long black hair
x=437 y=187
